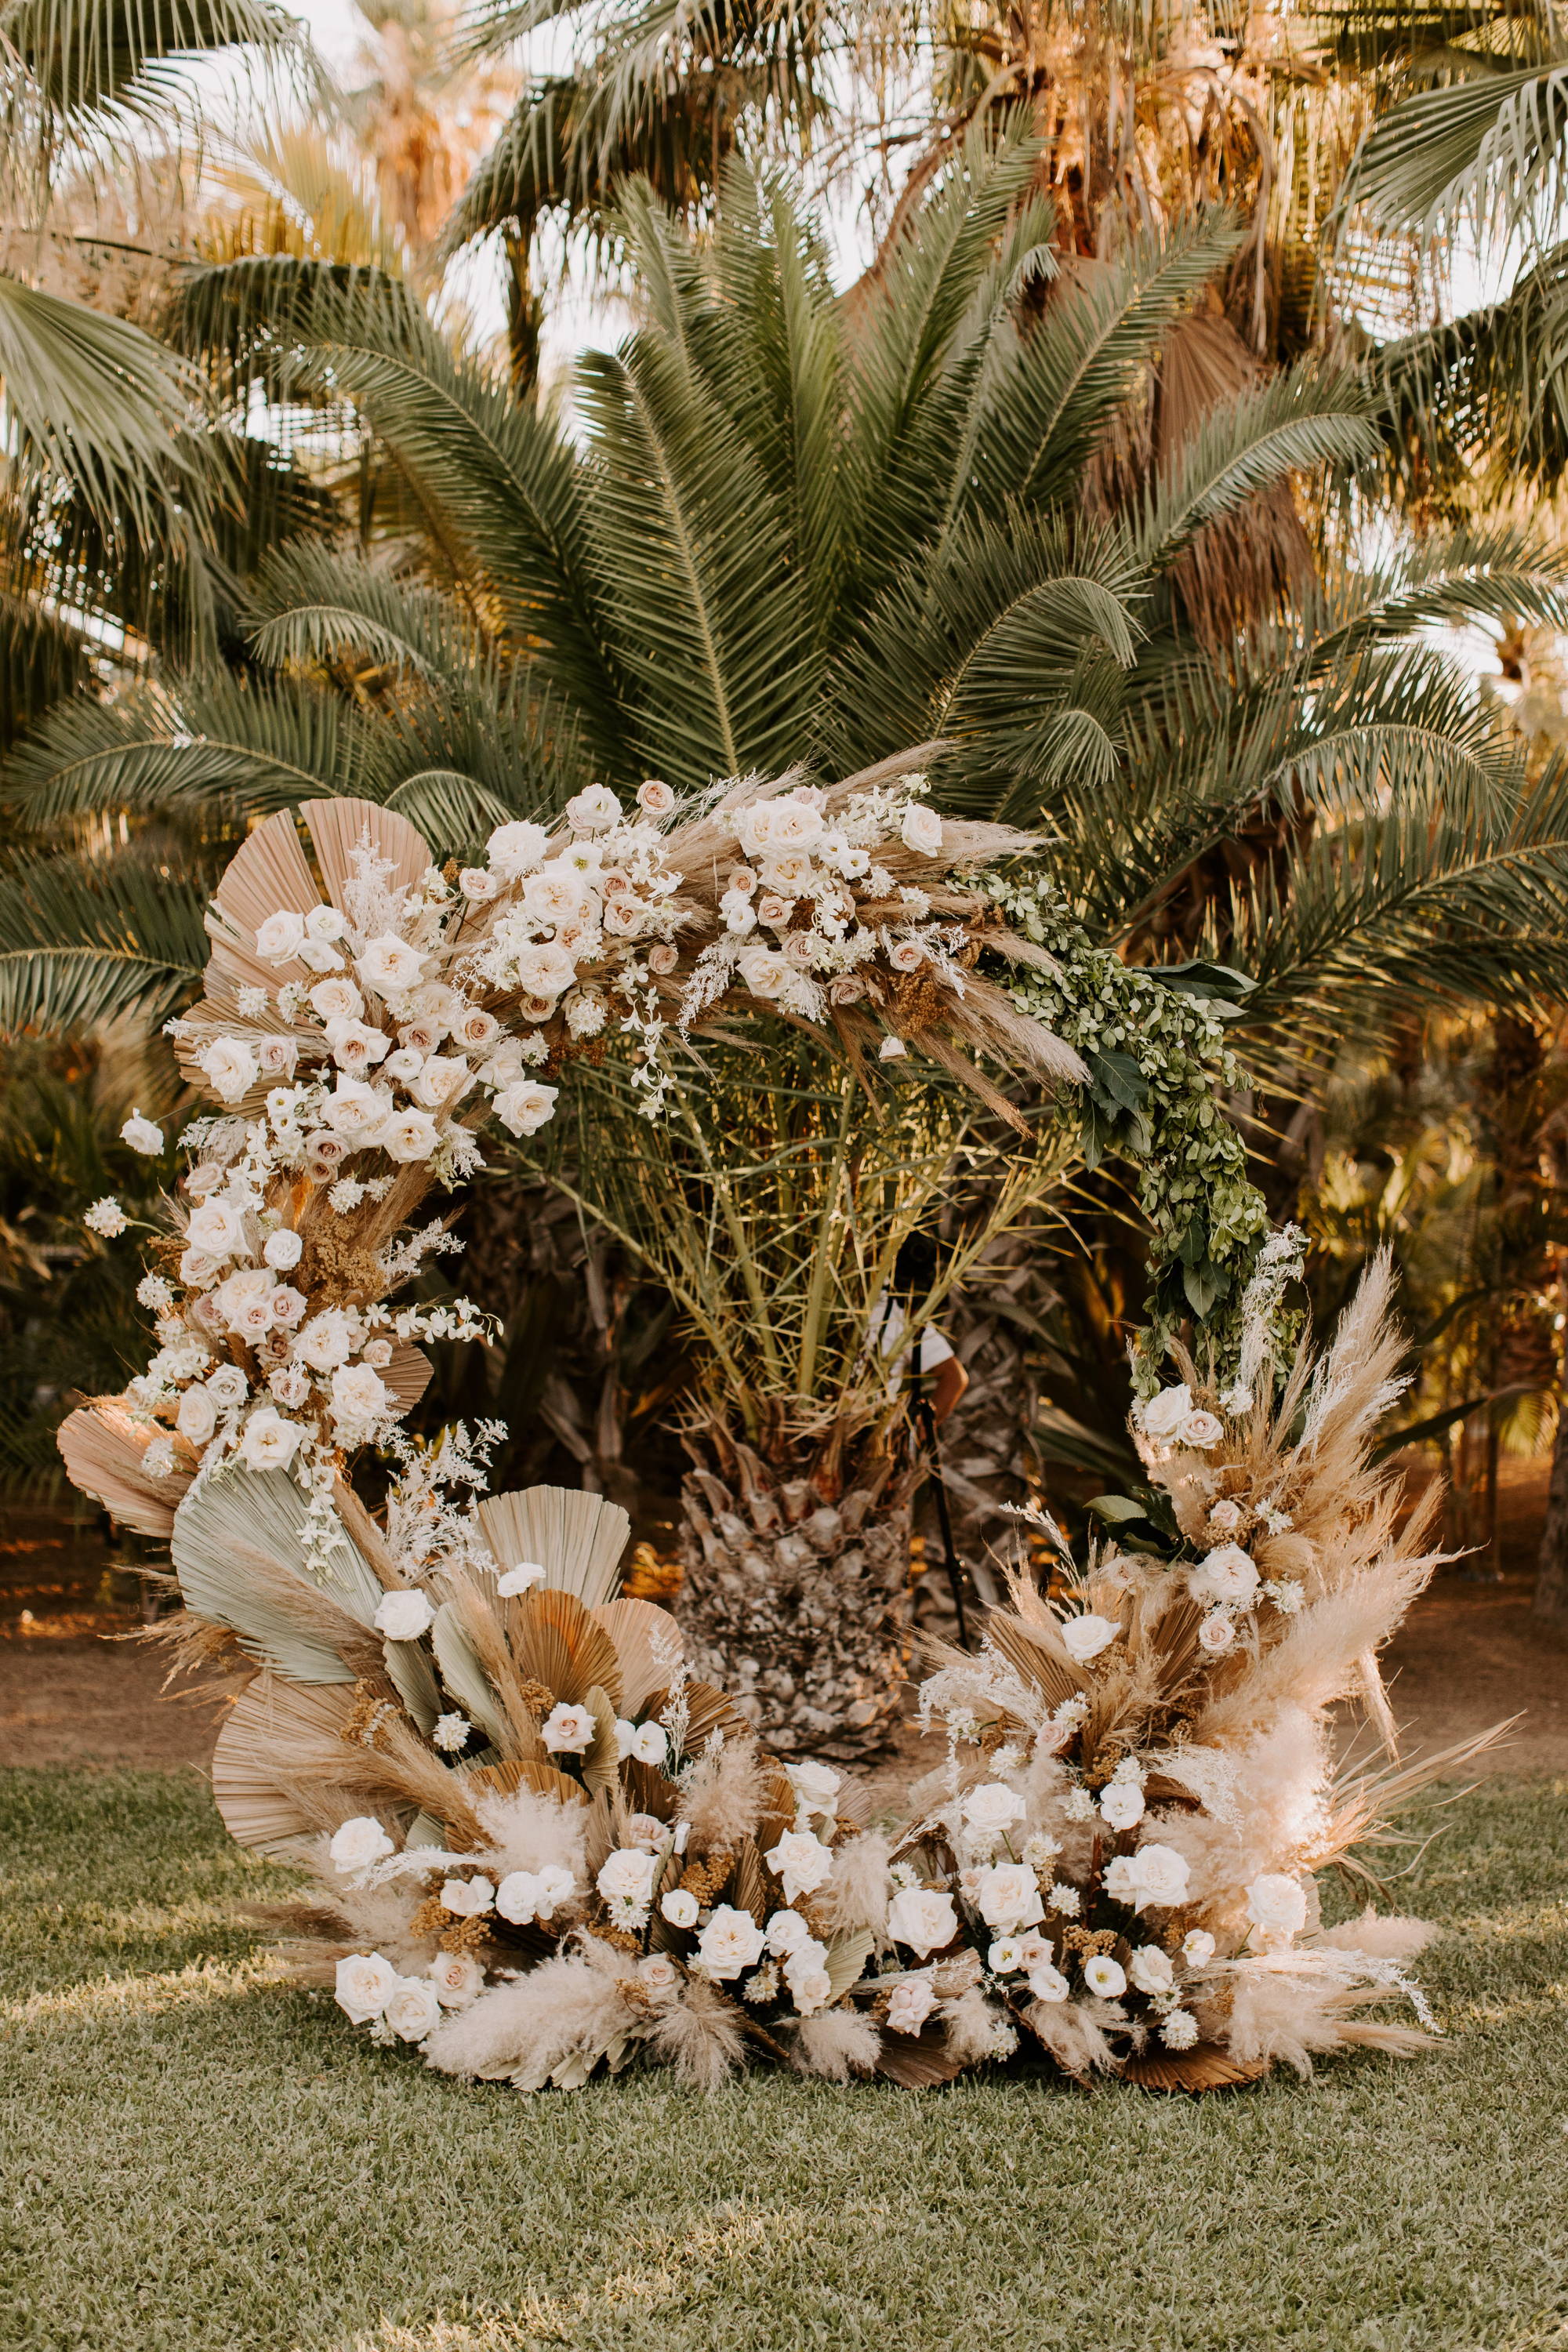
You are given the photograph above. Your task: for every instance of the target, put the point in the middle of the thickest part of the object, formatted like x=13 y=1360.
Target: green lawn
x=195 y=2158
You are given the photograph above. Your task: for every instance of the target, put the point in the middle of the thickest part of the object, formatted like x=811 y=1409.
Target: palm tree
x=796 y=531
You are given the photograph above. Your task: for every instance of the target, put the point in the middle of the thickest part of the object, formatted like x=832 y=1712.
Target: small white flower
x=1197 y=1948
x=142 y=1134
x=1277 y=1904
x=1178 y=2029
x=1121 y=1804
x=1104 y=1976
x=405 y=1616
x=106 y=1217
x=679 y=1907
x=520 y=1578
x=650 y=1743
x=1047 y=1982
x=568 y=1730
x=358 y=1844
x=1040 y=1851
x=1084 y=1637
x=158 y=1459
x=1237 y=1401
x=1288 y=1596
x=469 y=1898
x=1164 y=1415
x=451 y=1732
x=413 y=2009
x=365 y=1983
x=1078 y=1805
x=1151 y=1970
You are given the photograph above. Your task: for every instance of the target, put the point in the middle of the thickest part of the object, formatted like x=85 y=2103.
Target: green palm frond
x=1490 y=144
x=1304 y=422
x=83 y=941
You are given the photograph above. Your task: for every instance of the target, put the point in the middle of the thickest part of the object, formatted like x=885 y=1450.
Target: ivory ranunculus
x=627 y=1875
x=1155 y=1876
x=730 y=1942
x=1164 y=1414
x=801 y=1861
x=365 y=1983
x=1007 y=1897
x=920 y=830
x=1084 y=1637
x=1277 y=1904
x=922 y=1918
x=413 y=2009
x=357 y=1843
x=390 y=965
x=403 y=1616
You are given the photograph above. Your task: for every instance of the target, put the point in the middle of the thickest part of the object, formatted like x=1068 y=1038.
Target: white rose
x=786 y=1931
x=355 y=1047
x=355 y=1111
x=469 y=1898
x=1104 y=1976
x=326 y=1341
x=627 y=1875
x=1084 y=1637
x=336 y=1000
x=1277 y=1904
x=520 y=1578
x=516 y=848
x=921 y=830
x=764 y=973
x=1121 y=1804
x=554 y=894
x=1228 y=1573
x=801 y=1861
x=910 y=2004
x=658 y=1973
x=1046 y=1981
x=1225 y=1518
x=679 y=1907
x=545 y=968
x=568 y=1730
x=1197 y=1948
x=282 y=1249
x=730 y=1942
x=228 y=1387
x=993 y=1808
x=358 y=1394
x=477 y=885
x=1155 y=1875
x=441 y=1081
x=1007 y=1897
x=359 y=1842
x=365 y=1983
x=142 y=1134
x=412 y=1134
x=390 y=965
x=655 y=797
x=650 y=1743
x=457 y=1978
x=246 y=1287
x=280 y=937
x=278 y=1059
x=526 y=1107
x=403 y=1616
x=1202 y=1430
x=1164 y=1414
x=811 y=1986
x=1217 y=1633
x=230 y=1068
x=197 y=1416
x=324 y=923
x=517 y=1897
x=1151 y=1969
x=594 y=810
x=217 y=1228
x=815 y=1786
x=269 y=1443
x=413 y=2009
x=922 y=1918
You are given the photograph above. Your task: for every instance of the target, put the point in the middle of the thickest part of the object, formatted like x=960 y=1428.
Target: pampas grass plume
x=837 y=2043
x=726 y=1794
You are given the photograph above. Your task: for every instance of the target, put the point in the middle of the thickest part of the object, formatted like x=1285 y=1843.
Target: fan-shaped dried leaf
x=337 y=826
x=647 y=1645
x=577 y=1538
x=103 y=1448
x=1205 y=2067
x=269 y=873
x=556 y=1642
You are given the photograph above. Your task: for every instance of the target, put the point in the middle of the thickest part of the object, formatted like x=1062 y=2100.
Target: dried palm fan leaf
x=647 y=1646
x=648 y=1791
x=337 y=827
x=554 y=1641
x=239 y=1552
x=481 y=1619
x=749 y=1880
x=1030 y=1652
x=1205 y=2067
x=269 y=871
x=463 y=1675
x=525 y=1772
x=407 y=1376
x=102 y=1447
x=602 y=1758
x=260 y=1768
x=917 y=2062
x=577 y=1538
x=707 y=1711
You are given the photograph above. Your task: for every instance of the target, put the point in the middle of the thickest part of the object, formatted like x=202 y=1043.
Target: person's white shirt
x=885 y=1331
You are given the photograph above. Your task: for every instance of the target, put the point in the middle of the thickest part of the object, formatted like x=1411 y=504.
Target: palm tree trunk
x=1551 y=1567
x=796 y=1592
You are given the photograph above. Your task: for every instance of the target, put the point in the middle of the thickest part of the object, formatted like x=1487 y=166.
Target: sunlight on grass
x=205 y=2160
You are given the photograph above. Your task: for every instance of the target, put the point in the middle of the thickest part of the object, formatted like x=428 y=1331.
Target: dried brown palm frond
x=102 y=1445
x=263 y=1781
x=238 y=1546
x=337 y=826
x=579 y=1538
x=556 y=1643
x=647 y=1648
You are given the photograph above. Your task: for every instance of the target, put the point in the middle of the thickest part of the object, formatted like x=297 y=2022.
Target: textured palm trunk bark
x=796 y=1592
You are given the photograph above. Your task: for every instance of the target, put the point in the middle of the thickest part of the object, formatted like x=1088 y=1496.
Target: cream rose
x=627 y=1875
x=1007 y=1897
x=197 y=1417
x=457 y=1978
x=993 y=1808
x=526 y=1106
x=365 y=1983
x=1277 y=1904
x=1225 y=1574
x=403 y=1616
x=920 y=830
x=358 y=1844
x=280 y=937
x=1048 y=1983
x=568 y=1730
x=655 y=797
x=283 y=1249
x=1151 y=1970
x=390 y=965
x=358 y=1394
x=139 y=1134
x=411 y=1135
x=269 y=1443
x=1164 y=1414
x=801 y=1861
x=1202 y=1430
x=1155 y=1876
x=516 y=848
x=922 y=1918
x=230 y=1068
x=413 y=2009
x=730 y=1942
x=594 y=810
x=1121 y=1804
x=910 y=2004
x=468 y=1899
x=1084 y=1637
